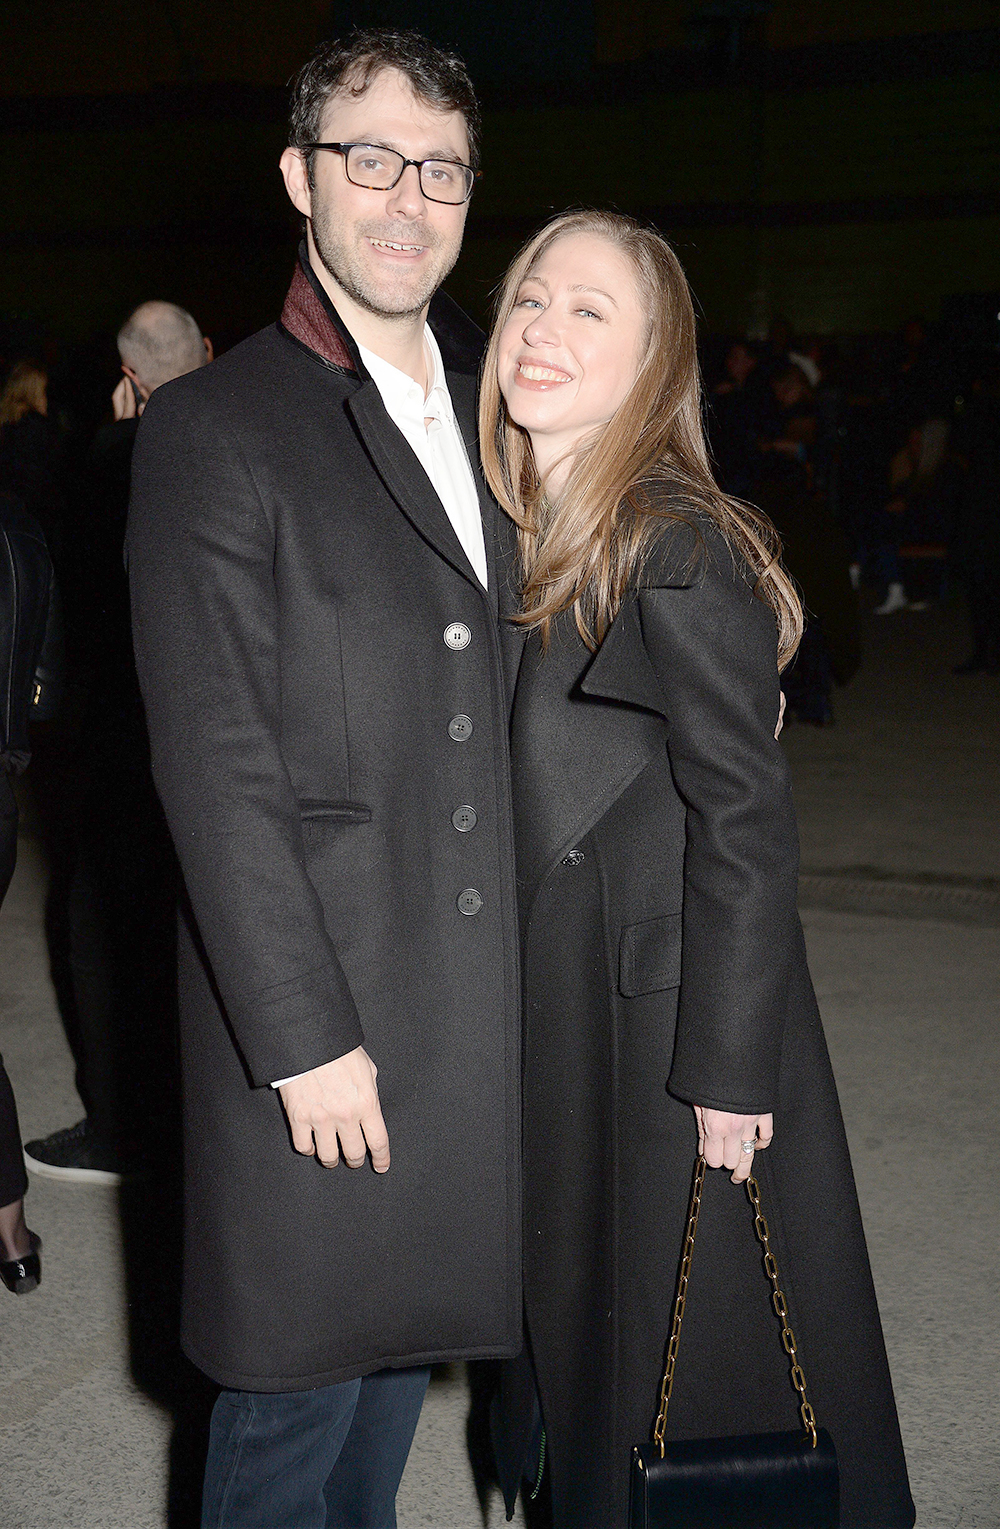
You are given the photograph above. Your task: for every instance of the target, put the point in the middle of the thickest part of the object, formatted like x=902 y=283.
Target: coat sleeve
x=713 y=645
x=200 y=550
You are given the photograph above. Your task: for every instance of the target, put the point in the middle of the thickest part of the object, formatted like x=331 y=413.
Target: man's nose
x=406 y=196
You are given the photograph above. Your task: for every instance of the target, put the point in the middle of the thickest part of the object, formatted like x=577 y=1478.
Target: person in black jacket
x=813 y=548
x=318 y=575
x=667 y=999
x=113 y=879
x=737 y=410
x=31 y=448
x=976 y=545
x=29 y=641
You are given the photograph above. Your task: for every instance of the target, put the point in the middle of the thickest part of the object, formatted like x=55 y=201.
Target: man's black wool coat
x=294 y=576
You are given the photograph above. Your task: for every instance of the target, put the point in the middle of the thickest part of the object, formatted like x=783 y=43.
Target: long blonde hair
x=23 y=392
x=586 y=551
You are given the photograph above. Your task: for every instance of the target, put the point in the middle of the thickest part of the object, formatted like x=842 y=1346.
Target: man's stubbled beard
x=347 y=270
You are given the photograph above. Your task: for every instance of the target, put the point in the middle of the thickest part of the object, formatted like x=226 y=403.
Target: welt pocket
x=341 y=812
x=650 y=956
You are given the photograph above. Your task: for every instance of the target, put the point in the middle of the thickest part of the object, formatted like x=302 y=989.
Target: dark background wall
x=834 y=161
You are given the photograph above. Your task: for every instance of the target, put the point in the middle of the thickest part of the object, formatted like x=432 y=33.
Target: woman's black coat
x=307 y=630
x=664 y=965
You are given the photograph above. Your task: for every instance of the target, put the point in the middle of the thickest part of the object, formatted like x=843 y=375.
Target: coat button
x=457 y=635
x=460 y=728
x=575 y=857
x=469 y=901
x=464 y=819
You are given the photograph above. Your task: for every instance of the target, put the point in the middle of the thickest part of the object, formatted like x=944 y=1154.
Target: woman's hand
x=721 y=1137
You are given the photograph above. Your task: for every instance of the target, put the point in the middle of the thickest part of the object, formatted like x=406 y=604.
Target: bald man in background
x=157 y=343
x=112 y=856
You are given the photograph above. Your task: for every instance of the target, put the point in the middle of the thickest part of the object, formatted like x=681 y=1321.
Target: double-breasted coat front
x=327 y=693
x=663 y=965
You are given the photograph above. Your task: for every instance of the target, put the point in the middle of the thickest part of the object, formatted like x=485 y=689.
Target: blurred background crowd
x=876 y=458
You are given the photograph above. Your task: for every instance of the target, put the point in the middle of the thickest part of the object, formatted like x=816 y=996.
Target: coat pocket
x=650 y=956
x=344 y=812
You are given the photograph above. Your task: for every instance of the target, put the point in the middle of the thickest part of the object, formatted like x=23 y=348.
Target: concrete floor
x=101 y=1419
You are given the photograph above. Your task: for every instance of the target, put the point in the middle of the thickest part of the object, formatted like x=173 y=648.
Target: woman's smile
x=571 y=347
x=531 y=374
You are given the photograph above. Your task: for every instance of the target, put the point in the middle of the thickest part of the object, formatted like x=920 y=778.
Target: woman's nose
x=540 y=330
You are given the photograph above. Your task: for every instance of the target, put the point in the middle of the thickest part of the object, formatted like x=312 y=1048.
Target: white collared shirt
x=437 y=445
x=440 y=450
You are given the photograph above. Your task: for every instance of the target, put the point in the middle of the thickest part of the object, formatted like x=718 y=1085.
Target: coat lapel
x=463 y=388
x=621 y=668
x=508 y=584
x=499 y=531
x=311 y=320
x=405 y=479
x=574 y=759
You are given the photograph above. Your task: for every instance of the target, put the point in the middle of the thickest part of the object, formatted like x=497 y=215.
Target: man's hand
x=131 y=396
x=123 y=400
x=339 y=1099
x=721 y=1137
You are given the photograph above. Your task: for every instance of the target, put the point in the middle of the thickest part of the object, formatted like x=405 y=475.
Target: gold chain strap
x=778 y=1301
x=679 y=1301
x=777 y=1298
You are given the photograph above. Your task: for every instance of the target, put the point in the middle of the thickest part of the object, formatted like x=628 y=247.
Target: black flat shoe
x=22 y=1274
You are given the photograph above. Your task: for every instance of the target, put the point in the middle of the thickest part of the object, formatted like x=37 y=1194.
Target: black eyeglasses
x=379 y=169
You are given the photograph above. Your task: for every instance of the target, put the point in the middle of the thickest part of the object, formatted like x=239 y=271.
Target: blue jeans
x=326 y=1459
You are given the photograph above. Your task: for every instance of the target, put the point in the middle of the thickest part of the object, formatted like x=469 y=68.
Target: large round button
x=460 y=728
x=457 y=635
x=469 y=901
x=464 y=819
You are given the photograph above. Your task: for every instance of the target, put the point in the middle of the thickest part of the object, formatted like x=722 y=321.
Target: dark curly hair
x=438 y=78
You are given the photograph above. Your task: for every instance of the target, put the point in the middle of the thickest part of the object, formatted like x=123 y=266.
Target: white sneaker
x=894 y=601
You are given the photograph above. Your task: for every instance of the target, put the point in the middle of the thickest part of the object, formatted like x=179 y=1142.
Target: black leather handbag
x=750 y=1481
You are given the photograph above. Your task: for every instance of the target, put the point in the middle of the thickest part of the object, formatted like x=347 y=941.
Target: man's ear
x=293 y=168
x=209 y=348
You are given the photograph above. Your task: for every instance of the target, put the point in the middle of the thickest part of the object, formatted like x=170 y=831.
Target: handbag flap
x=750 y=1481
